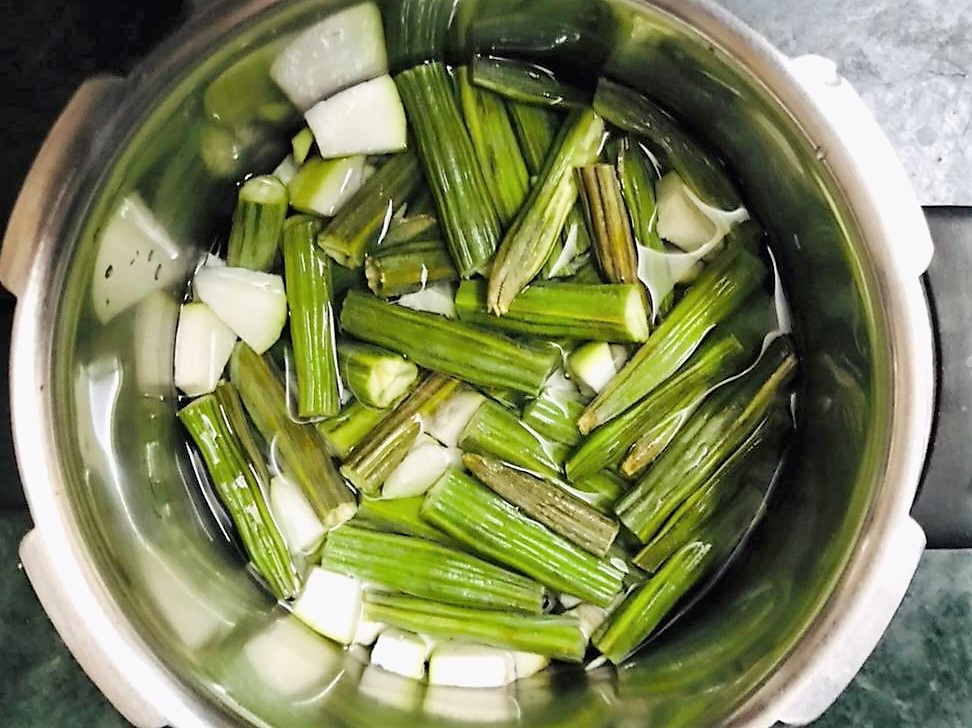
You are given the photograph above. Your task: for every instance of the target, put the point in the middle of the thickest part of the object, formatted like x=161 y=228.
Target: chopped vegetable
x=400 y=652
x=300 y=526
x=331 y=605
x=408 y=267
x=429 y=570
x=341 y=50
x=528 y=83
x=472 y=666
x=312 y=324
x=377 y=377
x=202 y=347
x=488 y=525
x=257 y=223
x=364 y=119
x=252 y=304
x=344 y=432
x=466 y=212
x=324 y=186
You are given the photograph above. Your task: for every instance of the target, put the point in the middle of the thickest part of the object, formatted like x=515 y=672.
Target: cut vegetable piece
x=330 y=605
x=402 y=653
x=590 y=617
x=202 y=347
x=600 y=490
x=218 y=426
x=718 y=293
x=304 y=456
x=312 y=324
x=552 y=506
x=258 y=220
x=286 y=170
x=496 y=431
x=487 y=524
x=424 y=464
x=399 y=515
x=301 y=145
x=554 y=415
x=528 y=664
x=556 y=636
x=408 y=267
x=364 y=119
x=680 y=222
x=324 y=186
x=365 y=217
x=727 y=425
x=438 y=298
x=657 y=418
x=472 y=666
x=607 y=219
x=637 y=172
x=343 y=49
x=531 y=237
x=527 y=83
x=592 y=365
x=300 y=526
x=136 y=256
x=377 y=377
x=480 y=357
x=635 y=113
x=252 y=304
x=536 y=129
x=154 y=335
x=568 y=310
x=344 y=432
x=374 y=459
x=643 y=610
x=447 y=424
x=367 y=632
x=496 y=147
x=468 y=219
x=429 y=570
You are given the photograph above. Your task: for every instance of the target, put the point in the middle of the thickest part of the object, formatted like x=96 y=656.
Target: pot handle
x=869 y=147
x=854 y=634
x=53 y=589
x=53 y=174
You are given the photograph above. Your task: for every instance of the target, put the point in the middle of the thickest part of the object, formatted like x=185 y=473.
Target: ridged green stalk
x=494 y=141
x=399 y=515
x=383 y=450
x=655 y=419
x=558 y=636
x=527 y=83
x=635 y=113
x=645 y=607
x=467 y=216
x=497 y=530
x=480 y=357
x=343 y=433
x=258 y=219
x=607 y=219
x=429 y=570
x=720 y=290
x=218 y=427
x=408 y=267
x=534 y=232
x=603 y=312
x=305 y=457
x=549 y=504
x=312 y=323
x=496 y=431
x=727 y=424
x=362 y=219
x=376 y=377
x=554 y=415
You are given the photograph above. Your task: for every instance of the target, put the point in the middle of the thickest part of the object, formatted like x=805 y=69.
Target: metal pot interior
x=161 y=557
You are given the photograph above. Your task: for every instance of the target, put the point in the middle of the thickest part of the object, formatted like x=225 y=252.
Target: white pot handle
x=871 y=150
x=64 y=606
x=852 y=639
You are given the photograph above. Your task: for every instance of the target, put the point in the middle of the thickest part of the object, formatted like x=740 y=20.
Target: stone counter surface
x=911 y=61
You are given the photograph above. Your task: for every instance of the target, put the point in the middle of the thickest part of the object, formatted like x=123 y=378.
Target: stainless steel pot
x=143 y=589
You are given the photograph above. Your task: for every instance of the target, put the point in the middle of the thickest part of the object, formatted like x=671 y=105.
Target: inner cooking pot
x=102 y=454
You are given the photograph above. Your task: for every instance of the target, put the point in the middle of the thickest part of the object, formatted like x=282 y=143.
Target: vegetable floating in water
x=514 y=414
